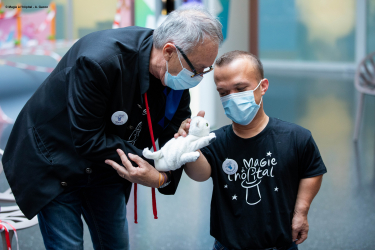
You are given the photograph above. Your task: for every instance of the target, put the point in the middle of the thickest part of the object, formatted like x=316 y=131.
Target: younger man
x=265 y=171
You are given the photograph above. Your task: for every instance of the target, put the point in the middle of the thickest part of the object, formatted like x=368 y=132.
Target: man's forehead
x=243 y=63
x=236 y=68
x=203 y=55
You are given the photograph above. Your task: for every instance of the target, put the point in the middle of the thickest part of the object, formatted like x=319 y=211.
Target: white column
x=204 y=96
x=360 y=34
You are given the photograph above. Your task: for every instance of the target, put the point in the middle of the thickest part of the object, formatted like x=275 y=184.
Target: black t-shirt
x=253 y=208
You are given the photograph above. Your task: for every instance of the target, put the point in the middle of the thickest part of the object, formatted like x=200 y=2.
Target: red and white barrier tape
x=30 y=51
x=26 y=66
x=47 y=45
x=43 y=25
x=3 y=227
x=4 y=119
x=116 y=22
x=51 y=45
x=8 y=14
x=56 y=44
x=37 y=50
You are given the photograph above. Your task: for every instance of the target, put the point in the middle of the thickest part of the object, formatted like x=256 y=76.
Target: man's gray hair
x=186 y=27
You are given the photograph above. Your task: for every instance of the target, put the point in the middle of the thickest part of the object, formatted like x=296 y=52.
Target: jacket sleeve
x=183 y=112
x=88 y=96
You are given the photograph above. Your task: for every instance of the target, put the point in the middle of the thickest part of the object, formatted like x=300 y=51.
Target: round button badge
x=230 y=166
x=119 y=118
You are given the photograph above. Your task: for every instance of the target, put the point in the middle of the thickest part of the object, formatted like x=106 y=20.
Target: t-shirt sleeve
x=208 y=152
x=311 y=162
x=216 y=151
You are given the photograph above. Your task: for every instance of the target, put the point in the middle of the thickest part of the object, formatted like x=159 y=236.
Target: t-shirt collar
x=260 y=135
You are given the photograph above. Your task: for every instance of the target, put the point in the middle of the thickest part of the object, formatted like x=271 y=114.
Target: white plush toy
x=177 y=152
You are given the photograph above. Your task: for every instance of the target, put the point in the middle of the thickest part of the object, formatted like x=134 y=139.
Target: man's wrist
x=155 y=179
x=165 y=179
x=301 y=208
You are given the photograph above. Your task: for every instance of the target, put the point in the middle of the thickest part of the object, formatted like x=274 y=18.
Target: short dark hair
x=228 y=57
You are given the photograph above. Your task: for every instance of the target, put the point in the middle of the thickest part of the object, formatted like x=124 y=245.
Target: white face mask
x=241 y=107
x=183 y=80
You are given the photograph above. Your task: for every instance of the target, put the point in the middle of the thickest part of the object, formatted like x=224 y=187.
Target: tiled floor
x=342 y=216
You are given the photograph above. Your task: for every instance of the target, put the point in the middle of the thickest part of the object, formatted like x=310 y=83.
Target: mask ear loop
x=258 y=84
x=179 y=58
x=167 y=65
x=256 y=88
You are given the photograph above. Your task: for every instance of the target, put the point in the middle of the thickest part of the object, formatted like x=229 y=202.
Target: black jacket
x=66 y=125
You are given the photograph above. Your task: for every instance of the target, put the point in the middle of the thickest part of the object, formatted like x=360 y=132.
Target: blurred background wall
x=310 y=51
x=291 y=35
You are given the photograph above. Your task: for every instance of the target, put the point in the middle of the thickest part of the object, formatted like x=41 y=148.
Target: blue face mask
x=241 y=107
x=183 y=80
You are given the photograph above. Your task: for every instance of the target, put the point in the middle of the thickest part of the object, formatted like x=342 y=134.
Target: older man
x=265 y=171
x=93 y=103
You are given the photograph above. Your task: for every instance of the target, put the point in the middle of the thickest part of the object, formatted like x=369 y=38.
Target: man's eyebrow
x=236 y=85
x=240 y=83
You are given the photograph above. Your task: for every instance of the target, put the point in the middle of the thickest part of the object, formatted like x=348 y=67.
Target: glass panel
x=307 y=30
x=370 y=26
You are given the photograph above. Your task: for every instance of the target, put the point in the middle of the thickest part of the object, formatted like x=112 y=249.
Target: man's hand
x=144 y=174
x=300 y=227
x=308 y=188
x=185 y=125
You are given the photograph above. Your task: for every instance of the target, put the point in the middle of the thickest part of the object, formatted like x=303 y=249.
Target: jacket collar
x=144 y=64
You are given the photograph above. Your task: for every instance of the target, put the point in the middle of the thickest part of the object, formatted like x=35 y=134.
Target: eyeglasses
x=191 y=65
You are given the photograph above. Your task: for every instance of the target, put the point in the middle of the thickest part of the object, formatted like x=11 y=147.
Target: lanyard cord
x=150 y=124
x=154 y=209
x=7 y=238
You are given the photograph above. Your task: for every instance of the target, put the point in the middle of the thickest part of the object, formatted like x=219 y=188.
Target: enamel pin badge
x=119 y=118
x=230 y=166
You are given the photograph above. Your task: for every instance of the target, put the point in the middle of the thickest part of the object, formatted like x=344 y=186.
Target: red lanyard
x=7 y=238
x=155 y=211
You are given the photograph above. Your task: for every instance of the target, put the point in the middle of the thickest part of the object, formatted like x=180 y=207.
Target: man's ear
x=264 y=86
x=168 y=50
